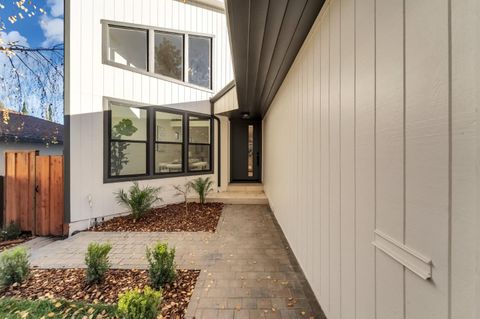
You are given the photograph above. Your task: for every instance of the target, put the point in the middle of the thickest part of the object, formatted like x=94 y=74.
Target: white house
x=360 y=118
x=139 y=78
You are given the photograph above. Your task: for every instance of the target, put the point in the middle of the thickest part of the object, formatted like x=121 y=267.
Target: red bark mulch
x=69 y=284
x=170 y=218
x=6 y=244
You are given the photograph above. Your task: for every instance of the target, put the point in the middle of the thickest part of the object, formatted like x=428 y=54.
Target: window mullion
x=151 y=50
x=186 y=128
x=185 y=57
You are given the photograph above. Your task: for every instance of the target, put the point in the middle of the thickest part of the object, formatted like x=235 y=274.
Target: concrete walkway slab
x=247 y=270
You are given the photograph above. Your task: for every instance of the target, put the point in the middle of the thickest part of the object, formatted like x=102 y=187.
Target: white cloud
x=52 y=30
x=56 y=7
x=14 y=36
x=11 y=37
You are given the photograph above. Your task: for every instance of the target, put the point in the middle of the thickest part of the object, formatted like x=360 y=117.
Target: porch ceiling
x=265 y=37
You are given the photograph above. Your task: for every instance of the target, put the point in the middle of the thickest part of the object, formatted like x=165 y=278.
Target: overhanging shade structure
x=265 y=37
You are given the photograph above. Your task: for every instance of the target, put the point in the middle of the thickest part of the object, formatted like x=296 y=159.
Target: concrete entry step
x=245 y=187
x=239 y=193
x=238 y=197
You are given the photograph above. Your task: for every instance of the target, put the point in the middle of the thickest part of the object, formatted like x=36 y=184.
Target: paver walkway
x=247 y=268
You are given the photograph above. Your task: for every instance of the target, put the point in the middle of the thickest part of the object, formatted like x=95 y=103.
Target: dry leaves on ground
x=6 y=244
x=170 y=218
x=70 y=284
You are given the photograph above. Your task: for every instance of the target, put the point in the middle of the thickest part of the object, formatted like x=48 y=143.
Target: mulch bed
x=6 y=244
x=170 y=218
x=69 y=284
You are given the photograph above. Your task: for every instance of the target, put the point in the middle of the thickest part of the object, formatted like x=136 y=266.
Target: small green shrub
x=44 y=308
x=97 y=262
x=138 y=200
x=12 y=231
x=202 y=186
x=137 y=304
x=161 y=265
x=183 y=191
x=14 y=266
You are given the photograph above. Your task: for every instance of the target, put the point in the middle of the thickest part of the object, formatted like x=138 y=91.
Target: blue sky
x=40 y=30
x=38 y=86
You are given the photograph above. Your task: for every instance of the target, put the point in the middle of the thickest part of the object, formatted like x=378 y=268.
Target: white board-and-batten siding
x=90 y=82
x=369 y=159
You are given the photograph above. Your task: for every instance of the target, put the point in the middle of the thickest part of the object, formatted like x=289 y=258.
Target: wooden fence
x=34 y=192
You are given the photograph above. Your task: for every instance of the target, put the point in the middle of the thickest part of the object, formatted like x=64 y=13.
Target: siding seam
x=375 y=146
x=404 y=157
x=450 y=158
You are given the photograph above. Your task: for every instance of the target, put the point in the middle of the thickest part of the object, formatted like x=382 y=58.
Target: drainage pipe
x=219 y=141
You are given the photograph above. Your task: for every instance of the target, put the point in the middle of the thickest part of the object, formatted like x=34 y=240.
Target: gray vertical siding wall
x=372 y=139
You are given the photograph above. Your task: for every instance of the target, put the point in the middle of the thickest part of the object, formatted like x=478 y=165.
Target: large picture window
x=154 y=142
x=199 y=144
x=168 y=142
x=170 y=55
x=128 y=141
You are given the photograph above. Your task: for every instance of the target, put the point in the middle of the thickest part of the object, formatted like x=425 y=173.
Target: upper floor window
x=169 y=55
x=176 y=56
x=199 y=60
x=128 y=47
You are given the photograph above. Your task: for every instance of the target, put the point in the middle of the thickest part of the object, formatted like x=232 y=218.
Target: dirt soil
x=170 y=218
x=69 y=284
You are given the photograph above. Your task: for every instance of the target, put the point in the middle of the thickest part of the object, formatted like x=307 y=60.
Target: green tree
x=24 y=109
x=168 y=59
x=49 y=113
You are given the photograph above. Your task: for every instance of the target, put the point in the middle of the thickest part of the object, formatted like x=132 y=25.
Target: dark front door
x=245 y=150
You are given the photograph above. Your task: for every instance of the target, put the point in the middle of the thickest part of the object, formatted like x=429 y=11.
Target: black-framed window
x=182 y=56
x=128 y=46
x=199 y=142
x=168 y=142
x=128 y=139
x=155 y=142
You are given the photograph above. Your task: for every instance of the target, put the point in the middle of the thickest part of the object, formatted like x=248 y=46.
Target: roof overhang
x=265 y=37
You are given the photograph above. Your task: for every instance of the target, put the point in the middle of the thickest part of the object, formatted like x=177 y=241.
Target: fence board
x=56 y=195
x=34 y=192
x=19 y=189
x=42 y=197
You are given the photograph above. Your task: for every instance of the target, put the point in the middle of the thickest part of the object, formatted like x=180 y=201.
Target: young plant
x=183 y=191
x=202 y=186
x=12 y=231
x=137 y=304
x=14 y=266
x=161 y=265
x=138 y=200
x=97 y=262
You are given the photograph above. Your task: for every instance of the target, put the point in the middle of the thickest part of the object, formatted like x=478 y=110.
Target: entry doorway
x=245 y=150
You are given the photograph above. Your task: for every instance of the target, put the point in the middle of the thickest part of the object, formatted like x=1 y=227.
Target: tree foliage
x=168 y=59
x=32 y=77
